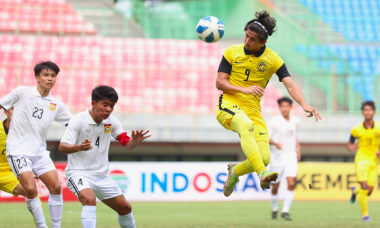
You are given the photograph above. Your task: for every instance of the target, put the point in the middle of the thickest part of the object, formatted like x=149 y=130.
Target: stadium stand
x=151 y=75
x=347 y=17
x=42 y=16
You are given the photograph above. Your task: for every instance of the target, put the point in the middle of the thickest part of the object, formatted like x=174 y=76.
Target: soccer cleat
x=367 y=219
x=274 y=215
x=231 y=182
x=266 y=178
x=353 y=196
x=286 y=216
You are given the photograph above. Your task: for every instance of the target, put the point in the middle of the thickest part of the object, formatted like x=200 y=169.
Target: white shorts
x=104 y=187
x=36 y=165
x=288 y=170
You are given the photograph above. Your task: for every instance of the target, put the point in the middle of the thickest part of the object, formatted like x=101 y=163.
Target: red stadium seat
x=47 y=16
x=145 y=72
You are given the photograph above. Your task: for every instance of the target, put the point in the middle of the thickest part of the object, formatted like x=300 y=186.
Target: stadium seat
x=147 y=80
x=46 y=16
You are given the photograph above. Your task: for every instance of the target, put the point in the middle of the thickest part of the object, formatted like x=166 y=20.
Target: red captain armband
x=123 y=138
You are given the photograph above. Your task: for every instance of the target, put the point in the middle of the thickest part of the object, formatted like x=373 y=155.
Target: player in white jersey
x=285 y=152
x=87 y=141
x=34 y=111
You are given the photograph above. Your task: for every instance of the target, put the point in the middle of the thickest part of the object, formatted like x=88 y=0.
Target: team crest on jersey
x=53 y=106
x=261 y=66
x=107 y=128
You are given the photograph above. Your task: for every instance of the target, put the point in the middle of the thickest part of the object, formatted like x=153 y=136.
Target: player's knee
x=247 y=128
x=125 y=210
x=55 y=189
x=88 y=200
x=30 y=190
x=291 y=187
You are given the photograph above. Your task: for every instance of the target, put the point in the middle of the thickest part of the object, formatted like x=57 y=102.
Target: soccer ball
x=210 y=29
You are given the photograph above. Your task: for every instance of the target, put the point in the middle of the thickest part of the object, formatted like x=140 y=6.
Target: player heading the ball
x=34 y=111
x=87 y=142
x=243 y=74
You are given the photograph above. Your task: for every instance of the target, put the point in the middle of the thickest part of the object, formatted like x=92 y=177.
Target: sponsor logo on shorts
x=262 y=133
x=88 y=130
x=53 y=106
x=107 y=128
x=121 y=179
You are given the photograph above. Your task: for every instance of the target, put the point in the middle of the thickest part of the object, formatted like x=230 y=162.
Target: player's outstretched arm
x=137 y=137
x=224 y=85
x=296 y=94
x=66 y=148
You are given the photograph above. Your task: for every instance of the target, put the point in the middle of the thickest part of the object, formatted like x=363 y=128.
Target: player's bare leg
x=50 y=179
x=88 y=199
x=33 y=204
x=288 y=198
x=274 y=199
x=123 y=209
x=19 y=190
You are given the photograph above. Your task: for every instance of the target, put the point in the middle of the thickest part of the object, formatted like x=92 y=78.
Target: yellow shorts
x=226 y=110
x=366 y=171
x=8 y=181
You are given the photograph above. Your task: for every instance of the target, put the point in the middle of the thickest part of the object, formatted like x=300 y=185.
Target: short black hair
x=284 y=99
x=45 y=65
x=265 y=19
x=368 y=103
x=102 y=91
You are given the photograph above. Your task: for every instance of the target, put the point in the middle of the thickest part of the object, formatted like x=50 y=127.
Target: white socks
x=89 y=216
x=127 y=221
x=288 y=199
x=34 y=206
x=55 y=208
x=274 y=202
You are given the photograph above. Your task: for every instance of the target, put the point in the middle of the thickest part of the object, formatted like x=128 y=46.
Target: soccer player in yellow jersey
x=243 y=74
x=8 y=181
x=367 y=156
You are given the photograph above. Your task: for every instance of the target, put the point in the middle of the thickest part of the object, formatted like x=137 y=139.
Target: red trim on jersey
x=123 y=138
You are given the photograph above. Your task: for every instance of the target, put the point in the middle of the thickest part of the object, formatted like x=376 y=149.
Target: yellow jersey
x=368 y=141
x=3 y=138
x=246 y=69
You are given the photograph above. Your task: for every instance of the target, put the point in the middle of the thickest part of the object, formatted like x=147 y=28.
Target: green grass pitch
x=205 y=214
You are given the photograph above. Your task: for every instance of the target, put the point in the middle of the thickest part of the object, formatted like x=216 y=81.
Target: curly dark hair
x=266 y=20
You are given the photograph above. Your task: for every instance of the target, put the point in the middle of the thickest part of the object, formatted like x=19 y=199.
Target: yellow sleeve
x=277 y=62
x=354 y=132
x=228 y=55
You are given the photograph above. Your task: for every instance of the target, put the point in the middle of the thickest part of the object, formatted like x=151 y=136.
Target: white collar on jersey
x=36 y=93
x=90 y=120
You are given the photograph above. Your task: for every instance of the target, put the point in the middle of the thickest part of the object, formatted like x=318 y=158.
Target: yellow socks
x=363 y=201
x=242 y=169
x=241 y=124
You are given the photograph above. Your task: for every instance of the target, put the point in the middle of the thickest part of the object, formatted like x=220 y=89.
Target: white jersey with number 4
x=284 y=132
x=31 y=120
x=92 y=163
